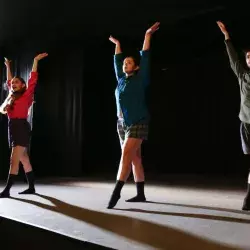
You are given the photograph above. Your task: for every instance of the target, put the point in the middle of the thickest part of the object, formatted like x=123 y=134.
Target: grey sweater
x=243 y=76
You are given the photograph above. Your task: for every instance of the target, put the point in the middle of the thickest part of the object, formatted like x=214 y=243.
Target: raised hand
x=7 y=62
x=148 y=35
x=153 y=28
x=113 y=40
x=117 y=45
x=40 y=56
x=222 y=27
x=36 y=60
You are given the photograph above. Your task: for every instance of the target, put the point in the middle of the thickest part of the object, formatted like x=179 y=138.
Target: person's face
x=129 y=65
x=248 y=59
x=16 y=84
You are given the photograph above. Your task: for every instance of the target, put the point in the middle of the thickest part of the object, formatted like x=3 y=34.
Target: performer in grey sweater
x=243 y=75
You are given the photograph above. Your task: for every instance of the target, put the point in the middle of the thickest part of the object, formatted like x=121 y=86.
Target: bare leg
x=25 y=160
x=138 y=170
x=139 y=177
x=15 y=159
x=246 y=203
x=129 y=148
x=14 y=169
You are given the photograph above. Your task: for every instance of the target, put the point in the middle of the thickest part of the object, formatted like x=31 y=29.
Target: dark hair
x=13 y=95
x=19 y=93
x=20 y=79
x=246 y=51
x=135 y=59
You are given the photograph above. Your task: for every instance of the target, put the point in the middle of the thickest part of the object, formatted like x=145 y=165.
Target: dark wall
x=193 y=100
x=57 y=112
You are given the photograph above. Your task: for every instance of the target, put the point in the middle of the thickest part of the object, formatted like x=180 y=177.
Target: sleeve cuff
x=33 y=73
x=118 y=56
x=144 y=52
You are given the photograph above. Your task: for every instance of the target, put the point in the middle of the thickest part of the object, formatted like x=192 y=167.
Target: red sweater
x=21 y=105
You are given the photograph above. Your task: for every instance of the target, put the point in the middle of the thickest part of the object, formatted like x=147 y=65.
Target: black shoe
x=137 y=198
x=28 y=191
x=113 y=200
x=246 y=204
x=5 y=194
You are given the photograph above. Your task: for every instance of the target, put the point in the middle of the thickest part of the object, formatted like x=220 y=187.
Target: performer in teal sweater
x=132 y=125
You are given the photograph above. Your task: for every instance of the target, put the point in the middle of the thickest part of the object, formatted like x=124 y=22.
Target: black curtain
x=56 y=115
x=193 y=100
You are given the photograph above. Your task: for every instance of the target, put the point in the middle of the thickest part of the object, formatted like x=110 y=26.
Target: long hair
x=12 y=96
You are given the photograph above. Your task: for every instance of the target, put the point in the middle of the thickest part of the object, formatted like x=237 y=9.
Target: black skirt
x=19 y=132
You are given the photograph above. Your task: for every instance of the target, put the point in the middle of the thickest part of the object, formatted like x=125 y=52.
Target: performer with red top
x=16 y=107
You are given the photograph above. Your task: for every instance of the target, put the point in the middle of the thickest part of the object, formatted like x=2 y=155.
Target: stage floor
x=187 y=213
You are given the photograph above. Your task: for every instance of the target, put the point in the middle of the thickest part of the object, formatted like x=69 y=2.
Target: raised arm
x=118 y=58
x=144 y=62
x=235 y=63
x=8 y=71
x=117 y=45
x=34 y=75
x=36 y=60
x=148 y=35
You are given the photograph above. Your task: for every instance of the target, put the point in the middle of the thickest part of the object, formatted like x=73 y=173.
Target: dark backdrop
x=193 y=97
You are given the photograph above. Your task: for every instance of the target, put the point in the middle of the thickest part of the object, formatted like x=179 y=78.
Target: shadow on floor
x=189 y=215
x=201 y=207
x=145 y=232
